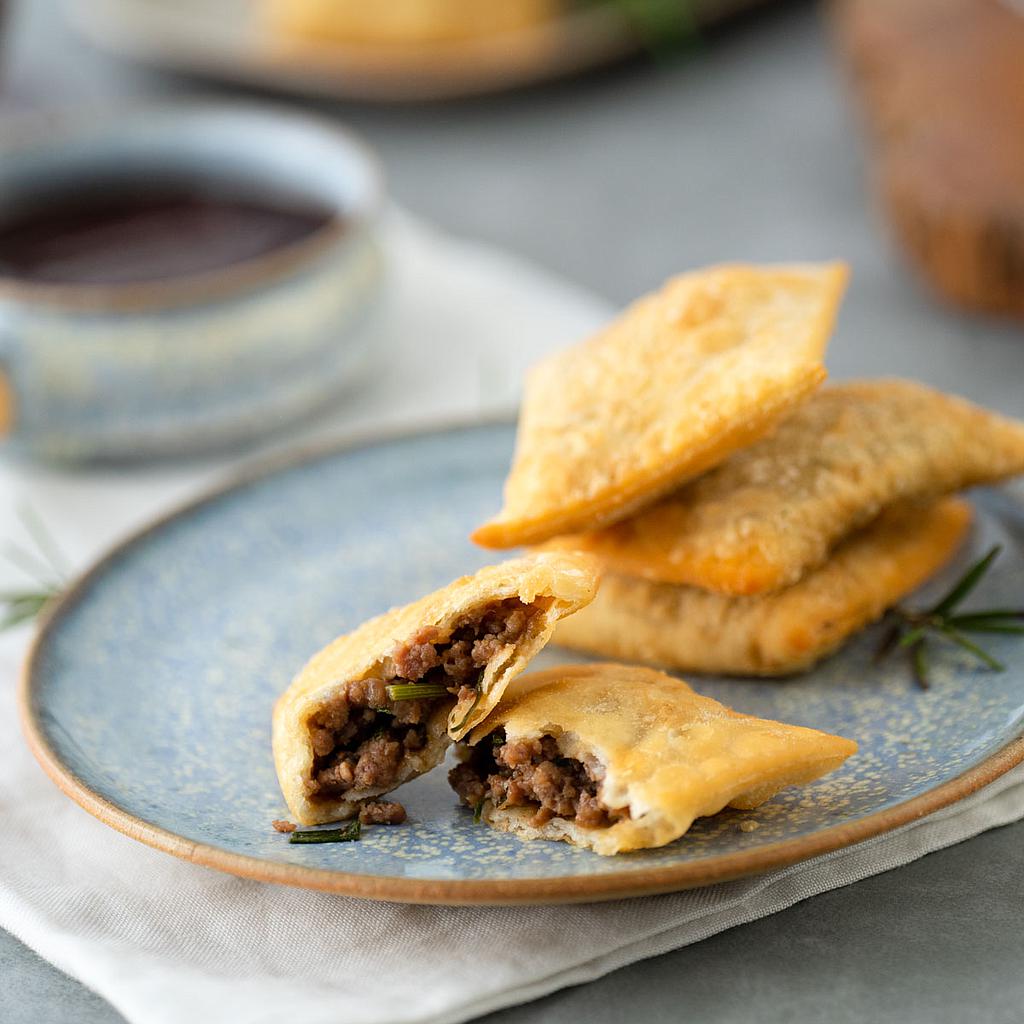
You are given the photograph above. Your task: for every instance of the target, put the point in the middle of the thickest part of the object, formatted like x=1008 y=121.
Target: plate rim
x=448 y=892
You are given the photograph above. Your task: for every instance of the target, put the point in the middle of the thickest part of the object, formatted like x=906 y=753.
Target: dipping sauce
x=121 y=233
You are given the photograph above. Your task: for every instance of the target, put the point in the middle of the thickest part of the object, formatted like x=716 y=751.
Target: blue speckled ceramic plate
x=148 y=695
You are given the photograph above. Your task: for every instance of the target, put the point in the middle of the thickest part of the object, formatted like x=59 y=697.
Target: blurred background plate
x=232 y=40
x=149 y=693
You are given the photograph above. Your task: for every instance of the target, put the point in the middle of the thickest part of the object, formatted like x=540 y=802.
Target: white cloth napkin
x=169 y=942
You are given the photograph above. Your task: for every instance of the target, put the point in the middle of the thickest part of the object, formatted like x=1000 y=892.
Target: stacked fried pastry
x=747 y=520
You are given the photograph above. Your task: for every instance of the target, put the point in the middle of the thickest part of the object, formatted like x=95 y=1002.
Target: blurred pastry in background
x=405 y=21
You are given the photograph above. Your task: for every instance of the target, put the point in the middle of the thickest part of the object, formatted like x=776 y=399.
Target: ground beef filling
x=456 y=661
x=360 y=740
x=532 y=773
x=381 y=812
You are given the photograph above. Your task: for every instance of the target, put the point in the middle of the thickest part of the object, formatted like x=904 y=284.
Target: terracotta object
x=941 y=83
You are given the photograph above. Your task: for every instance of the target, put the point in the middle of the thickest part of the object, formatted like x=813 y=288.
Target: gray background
x=746 y=149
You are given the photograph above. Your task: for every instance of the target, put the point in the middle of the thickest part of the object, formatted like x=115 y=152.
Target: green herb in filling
x=416 y=691
x=349 y=834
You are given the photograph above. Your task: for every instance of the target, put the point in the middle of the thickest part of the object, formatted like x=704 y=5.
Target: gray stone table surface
x=746 y=149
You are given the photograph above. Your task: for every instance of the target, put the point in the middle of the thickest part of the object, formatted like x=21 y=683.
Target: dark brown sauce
x=116 y=233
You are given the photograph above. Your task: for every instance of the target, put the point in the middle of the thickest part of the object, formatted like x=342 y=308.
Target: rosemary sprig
x=911 y=630
x=662 y=26
x=21 y=606
x=992 y=622
x=45 y=565
x=349 y=834
x=413 y=691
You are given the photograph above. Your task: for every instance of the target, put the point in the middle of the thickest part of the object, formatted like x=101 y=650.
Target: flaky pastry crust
x=771 y=513
x=684 y=377
x=783 y=632
x=668 y=754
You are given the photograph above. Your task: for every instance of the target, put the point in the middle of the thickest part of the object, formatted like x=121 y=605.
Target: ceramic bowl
x=184 y=365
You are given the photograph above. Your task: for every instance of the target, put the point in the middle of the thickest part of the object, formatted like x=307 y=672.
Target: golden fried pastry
x=683 y=378
x=380 y=705
x=397 y=22
x=768 y=514
x=786 y=631
x=618 y=757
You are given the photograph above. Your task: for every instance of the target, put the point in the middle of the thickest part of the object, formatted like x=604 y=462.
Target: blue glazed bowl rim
x=565 y=889
x=52 y=130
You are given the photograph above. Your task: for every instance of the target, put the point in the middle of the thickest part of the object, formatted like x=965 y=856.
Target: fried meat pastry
x=783 y=632
x=771 y=513
x=380 y=705
x=684 y=377
x=619 y=757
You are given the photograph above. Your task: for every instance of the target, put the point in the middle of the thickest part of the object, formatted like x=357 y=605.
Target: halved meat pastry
x=770 y=513
x=779 y=633
x=618 y=757
x=684 y=377
x=380 y=705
